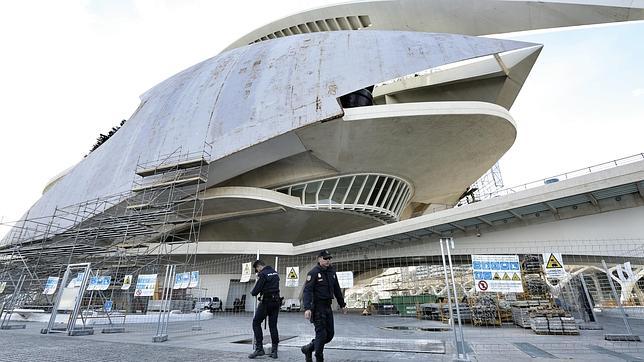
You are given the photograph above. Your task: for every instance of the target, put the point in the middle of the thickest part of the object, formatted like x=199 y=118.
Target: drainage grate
x=609 y=352
x=533 y=351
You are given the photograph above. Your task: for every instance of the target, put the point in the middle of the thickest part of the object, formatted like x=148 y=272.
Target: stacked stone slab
x=552 y=320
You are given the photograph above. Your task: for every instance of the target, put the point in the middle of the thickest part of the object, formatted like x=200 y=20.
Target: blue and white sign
x=181 y=281
x=194 y=279
x=107 y=306
x=104 y=282
x=76 y=282
x=99 y=283
x=145 y=285
x=50 y=286
x=93 y=282
x=497 y=273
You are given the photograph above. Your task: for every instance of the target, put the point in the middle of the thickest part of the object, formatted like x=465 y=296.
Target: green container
x=407 y=304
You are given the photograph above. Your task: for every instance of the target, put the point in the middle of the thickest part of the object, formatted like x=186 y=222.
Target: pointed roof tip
x=473 y=17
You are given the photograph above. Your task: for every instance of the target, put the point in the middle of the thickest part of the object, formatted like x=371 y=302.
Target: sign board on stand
x=99 y=283
x=72 y=292
x=145 y=285
x=181 y=281
x=51 y=286
x=104 y=282
x=345 y=279
x=127 y=282
x=497 y=273
x=93 y=283
x=292 y=276
x=553 y=265
x=246 y=271
x=194 y=279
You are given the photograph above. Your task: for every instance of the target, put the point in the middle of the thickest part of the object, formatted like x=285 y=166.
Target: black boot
x=259 y=351
x=273 y=351
x=308 y=352
x=319 y=358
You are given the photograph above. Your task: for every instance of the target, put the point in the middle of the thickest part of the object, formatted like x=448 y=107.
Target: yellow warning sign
x=515 y=276
x=496 y=276
x=506 y=276
x=553 y=263
x=293 y=276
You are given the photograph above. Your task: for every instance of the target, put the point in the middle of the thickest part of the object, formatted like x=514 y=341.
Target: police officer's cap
x=257 y=263
x=324 y=254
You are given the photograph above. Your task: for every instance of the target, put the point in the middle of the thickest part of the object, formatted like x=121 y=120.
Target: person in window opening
x=320 y=288
x=268 y=287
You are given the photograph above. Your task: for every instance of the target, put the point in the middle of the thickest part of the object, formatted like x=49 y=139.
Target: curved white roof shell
x=253 y=94
x=469 y=17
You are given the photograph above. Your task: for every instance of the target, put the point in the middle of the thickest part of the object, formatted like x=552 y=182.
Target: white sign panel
x=246 y=271
x=127 y=282
x=145 y=285
x=99 y=283
x=68 y=298
x=553 y=265
x=93 y=283
x=104 y=282
x=51 y=286
x=497 y=273
x=76 y=282
x=292 y=276
x=181 y=281
x=345 y=279
x=194 y=279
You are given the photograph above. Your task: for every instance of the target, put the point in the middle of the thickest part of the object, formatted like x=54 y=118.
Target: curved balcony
x=377 y=195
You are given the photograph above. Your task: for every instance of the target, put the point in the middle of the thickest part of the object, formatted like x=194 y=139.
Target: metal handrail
x=565 y=176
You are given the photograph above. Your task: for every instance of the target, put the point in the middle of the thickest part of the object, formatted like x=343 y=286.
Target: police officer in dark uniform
x=320 y=288
x=268 y=285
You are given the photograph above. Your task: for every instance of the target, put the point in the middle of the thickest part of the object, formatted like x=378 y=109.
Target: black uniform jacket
x=321 y=285
x=268 y=282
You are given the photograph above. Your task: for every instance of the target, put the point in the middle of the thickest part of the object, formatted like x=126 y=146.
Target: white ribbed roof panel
x=470 y=17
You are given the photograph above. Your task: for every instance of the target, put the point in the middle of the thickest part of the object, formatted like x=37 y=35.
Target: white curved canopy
x=247 y=96
x=469 y=17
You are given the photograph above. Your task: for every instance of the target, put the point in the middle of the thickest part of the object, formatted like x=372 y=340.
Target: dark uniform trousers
x=320 y=288
x=268 y=307
x=324 y=328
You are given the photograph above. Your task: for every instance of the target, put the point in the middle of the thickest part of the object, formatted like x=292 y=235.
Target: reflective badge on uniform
x=308 y=278
x=319 y=275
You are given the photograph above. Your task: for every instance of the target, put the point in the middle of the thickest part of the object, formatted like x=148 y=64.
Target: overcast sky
x=70 y=70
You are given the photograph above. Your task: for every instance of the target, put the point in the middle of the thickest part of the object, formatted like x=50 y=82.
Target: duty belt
x=269 y=296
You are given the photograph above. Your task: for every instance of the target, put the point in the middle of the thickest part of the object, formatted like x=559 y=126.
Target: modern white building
x=341 y=127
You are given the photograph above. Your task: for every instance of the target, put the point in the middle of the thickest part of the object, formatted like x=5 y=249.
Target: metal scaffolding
x=156 y=223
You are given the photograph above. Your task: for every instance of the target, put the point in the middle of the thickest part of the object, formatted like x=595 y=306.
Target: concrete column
x=627 y=287
x=627 y=290
x=639 y=294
